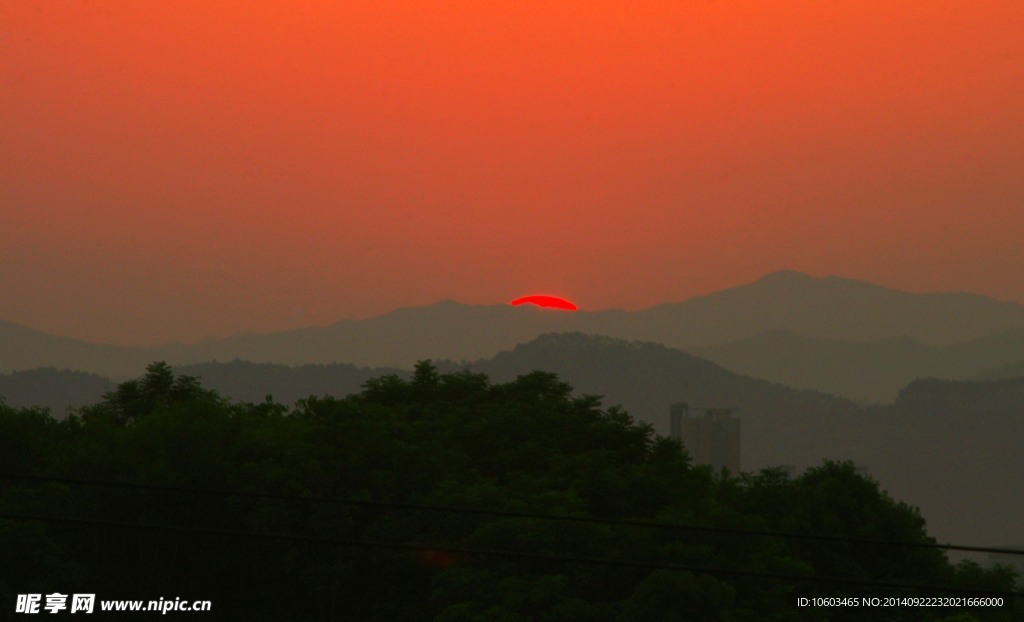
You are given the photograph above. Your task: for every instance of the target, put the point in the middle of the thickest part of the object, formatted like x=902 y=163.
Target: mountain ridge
x=866 y=371
x=818 y=307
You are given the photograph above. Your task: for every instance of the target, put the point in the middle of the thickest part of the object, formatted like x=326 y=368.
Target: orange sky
x=178 y=170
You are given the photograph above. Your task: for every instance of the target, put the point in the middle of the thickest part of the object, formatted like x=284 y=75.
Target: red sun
x=548 y=302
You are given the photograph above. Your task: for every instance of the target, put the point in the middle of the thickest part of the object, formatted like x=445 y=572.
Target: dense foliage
x=518 y=450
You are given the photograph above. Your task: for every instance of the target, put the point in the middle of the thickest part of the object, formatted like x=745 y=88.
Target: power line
x=570 y=559
x=514 y=514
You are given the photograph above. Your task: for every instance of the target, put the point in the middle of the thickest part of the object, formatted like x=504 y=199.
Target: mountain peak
x=829 y=283
x=785 y=276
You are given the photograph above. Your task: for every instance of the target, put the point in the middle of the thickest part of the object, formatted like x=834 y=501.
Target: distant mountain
x=54 y=389
x=951 y=448
x=446 y=329
x=25 y=349
x=828 y=308
x=1014 y=370
x=868 y=371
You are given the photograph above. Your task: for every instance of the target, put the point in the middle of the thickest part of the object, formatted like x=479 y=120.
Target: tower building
x=710 y=435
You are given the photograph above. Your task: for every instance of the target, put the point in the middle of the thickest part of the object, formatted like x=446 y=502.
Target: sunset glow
x=175 y=171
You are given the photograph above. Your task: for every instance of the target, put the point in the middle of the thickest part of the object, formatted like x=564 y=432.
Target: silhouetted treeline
x=229 y=502
x=943 y=447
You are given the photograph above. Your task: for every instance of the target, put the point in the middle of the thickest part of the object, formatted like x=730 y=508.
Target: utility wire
x=515 y=514
x=405 y=546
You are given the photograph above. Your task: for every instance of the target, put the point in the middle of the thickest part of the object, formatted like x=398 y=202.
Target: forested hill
x=440 y=497
x=937 y=433
x=646 y=378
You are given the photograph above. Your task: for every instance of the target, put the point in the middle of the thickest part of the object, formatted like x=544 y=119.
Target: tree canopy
x=433 y=498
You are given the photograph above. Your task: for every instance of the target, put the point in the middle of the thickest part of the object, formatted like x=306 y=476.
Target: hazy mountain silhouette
x=646 y=378
x=54 y=389
x=826 y=308
x=951 y=448
x=1014 y=370
x=643 y=377
x=869 y=371
x=446 y=329
x=829 y=308
x=400 y=338
x=22 y=348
